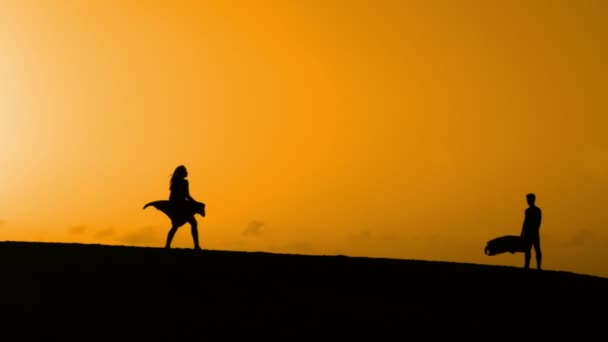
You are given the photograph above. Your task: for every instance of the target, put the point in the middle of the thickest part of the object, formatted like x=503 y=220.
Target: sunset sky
x=400 y=129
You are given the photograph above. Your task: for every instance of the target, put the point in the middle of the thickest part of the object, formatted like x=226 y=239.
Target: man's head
x=531 y=198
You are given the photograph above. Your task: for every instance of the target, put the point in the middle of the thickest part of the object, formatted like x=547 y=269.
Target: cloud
x=587 y=239
x=363 y=235
x=78 y=229
x=366 y=235
x=300 y=247
x=581 y=238
x=390 y=238
x=144 y=235
x=2 y=222
x=254 y=228
x=105 y=233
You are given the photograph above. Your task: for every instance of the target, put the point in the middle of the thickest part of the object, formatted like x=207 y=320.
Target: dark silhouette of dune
x=79 y=291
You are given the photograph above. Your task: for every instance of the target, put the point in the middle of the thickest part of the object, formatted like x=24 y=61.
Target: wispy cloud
x=144 y=235
x=78 y=229
x=581 y=238
x=390 y=238
x=2 y=222
x=366 y=235
x=300 y=247
x=105 y=233
x=363 y=235
x=254 y=228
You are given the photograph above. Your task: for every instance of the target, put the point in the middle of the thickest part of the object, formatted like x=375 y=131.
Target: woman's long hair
x=178 y=174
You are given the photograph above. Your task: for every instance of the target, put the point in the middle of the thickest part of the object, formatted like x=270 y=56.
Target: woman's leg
x=194 y=231
x=170 y=236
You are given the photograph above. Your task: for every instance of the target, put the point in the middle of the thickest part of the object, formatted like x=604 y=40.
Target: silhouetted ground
x=78 y=291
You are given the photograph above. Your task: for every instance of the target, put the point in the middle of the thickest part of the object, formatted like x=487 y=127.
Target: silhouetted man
x=530 y=231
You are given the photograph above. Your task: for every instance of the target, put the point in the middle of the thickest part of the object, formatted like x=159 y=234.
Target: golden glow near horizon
x=407 y=129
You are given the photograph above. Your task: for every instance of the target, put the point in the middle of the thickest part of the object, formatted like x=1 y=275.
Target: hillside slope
x=66 y=290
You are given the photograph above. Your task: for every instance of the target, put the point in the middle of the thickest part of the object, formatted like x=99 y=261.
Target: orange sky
x=402 y=129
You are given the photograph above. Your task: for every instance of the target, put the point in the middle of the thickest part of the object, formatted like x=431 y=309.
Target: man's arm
x=523 y=225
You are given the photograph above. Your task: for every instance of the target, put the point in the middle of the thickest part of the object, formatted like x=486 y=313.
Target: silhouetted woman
x=180 y=198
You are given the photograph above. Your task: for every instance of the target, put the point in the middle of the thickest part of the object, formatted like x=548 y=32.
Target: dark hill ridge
x=64 y=290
